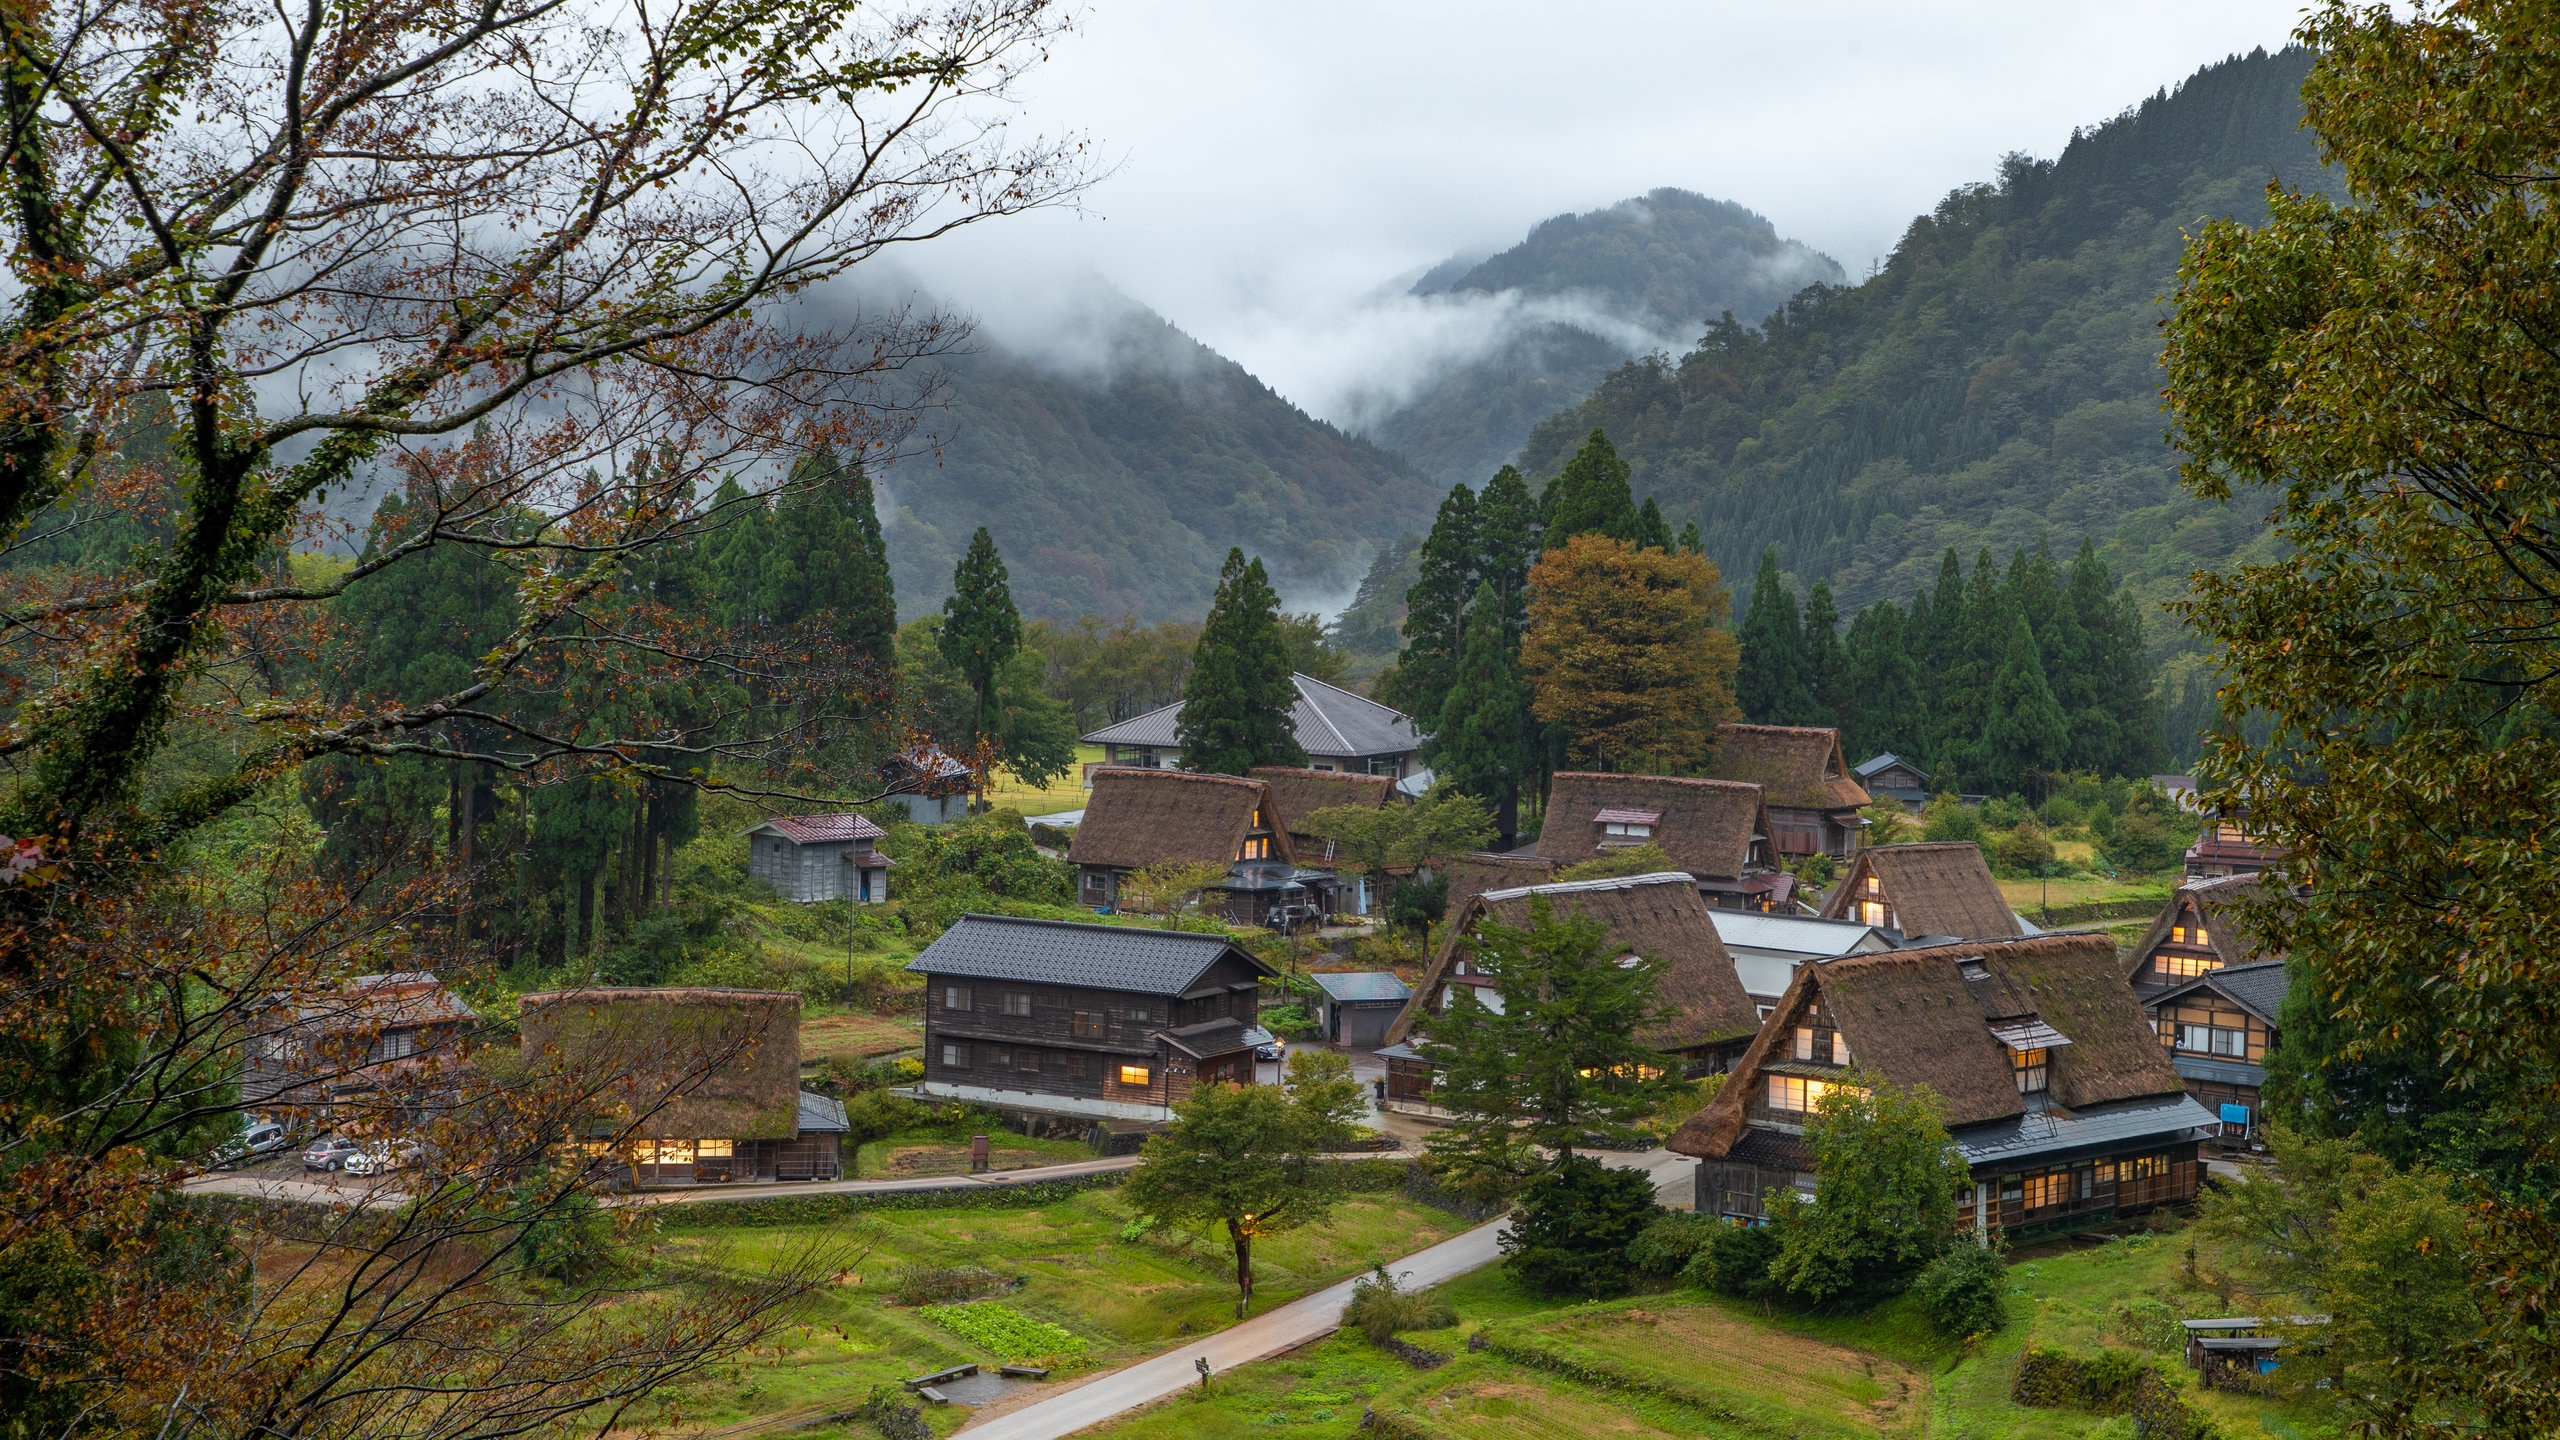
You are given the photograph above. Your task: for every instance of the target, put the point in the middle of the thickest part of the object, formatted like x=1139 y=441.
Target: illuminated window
x=1257 y=848
x=675 y=1152
x=2051 y=1188
x=2035 y=1074
x=1839 y=1049
x=1804 y=1042
x=2185 y=967
x=1870 y=912
x=2178 y=934
x=1797 y=1095
x=1875 y=886
x=714 y=1149
x=2146 y=1167
x=1134 y=1075
x=2201 y=937
x=2106 y=1172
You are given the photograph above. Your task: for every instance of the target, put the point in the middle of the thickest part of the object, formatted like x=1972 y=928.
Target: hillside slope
x=1114 y=484
x=1587 y=293
x=1997 y=382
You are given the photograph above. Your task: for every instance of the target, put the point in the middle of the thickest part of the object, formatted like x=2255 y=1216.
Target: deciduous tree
x=1886 y=1180
x=1251 y=1158
x=1625 y=656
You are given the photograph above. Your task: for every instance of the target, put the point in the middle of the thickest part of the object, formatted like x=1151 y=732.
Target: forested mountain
x=1116 y=487
x=1994 y=385
x=1595 y=290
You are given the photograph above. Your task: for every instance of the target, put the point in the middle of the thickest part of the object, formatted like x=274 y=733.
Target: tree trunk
x=652 y=810
x=1243 y=1239
x=584 y=940
x=467 y=813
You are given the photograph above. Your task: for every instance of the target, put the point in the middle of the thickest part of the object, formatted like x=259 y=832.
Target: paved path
x=1292 y=1325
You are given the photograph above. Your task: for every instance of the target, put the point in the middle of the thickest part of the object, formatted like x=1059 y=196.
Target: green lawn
x=1062 y=1263
x=1689 y=1364
x=902 y=1156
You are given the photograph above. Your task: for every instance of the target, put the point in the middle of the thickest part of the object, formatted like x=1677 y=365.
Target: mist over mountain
x=1115 y=459
x=1581 y=295
x=1995 y=384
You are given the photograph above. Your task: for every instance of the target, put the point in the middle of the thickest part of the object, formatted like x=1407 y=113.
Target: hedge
x=2112 y=1382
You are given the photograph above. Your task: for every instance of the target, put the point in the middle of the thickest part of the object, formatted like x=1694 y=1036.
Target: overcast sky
x=1276 y=163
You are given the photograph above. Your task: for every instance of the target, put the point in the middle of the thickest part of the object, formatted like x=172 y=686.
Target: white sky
x=1277 y=163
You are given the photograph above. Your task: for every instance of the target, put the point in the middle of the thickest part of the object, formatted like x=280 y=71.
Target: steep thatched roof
x=1297 y=793
x=1937 y=888
x=1706 y=826
x=1914 y=1017
x=1472 y=875
x=1138 y=818
x=677 y=1064
x=1659 y=915
x=2222 y=902
x=1800 y=766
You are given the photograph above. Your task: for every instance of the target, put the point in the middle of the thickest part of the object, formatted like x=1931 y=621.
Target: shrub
x=1948 y=818
x=1289 y=1020
x=1573 y=1228
x=1964 y=1292
x=572 y=1240
x=1381 y=1311
x=887 y=1411
x=2148 y=1323
x=942 y=1284
x=2151 y=834
x=1734 y=1260
x=1670 y=1242
x=2023 y=850
x=2051 y=1379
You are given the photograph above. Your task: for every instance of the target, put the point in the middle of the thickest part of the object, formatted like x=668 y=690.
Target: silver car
x=328 y=1154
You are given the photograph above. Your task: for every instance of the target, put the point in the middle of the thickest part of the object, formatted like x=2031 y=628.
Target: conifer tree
x=1974 y=627
x=1888 y=696
x=1235 y=706
x=1652 y=531
x=1507 y=544
x=823 y=559
x=1483 y=742
x=1590 y=496
x=2024 y=736
x=1435 y=610
x=1826 y=665
x=1690 y=544
x=980 y=627
x=1934 y=632
x=1775 y=684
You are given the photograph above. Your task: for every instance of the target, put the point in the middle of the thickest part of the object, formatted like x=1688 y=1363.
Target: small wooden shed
x=810 y=858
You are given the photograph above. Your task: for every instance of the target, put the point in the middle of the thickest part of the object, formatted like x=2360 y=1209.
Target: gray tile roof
x=2257 y=987
x=822 y=1114
x=1063 y=952
x=1354 y=986
x=2051 y=1134
x=1792 y=934
x=2219 y=1072
x=1869 y=767
x=1328 y=720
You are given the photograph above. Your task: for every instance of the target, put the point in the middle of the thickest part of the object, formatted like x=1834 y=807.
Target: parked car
x=328 y=1154
x=1273 y=1051
x=258 y=1137
x=382 y=1157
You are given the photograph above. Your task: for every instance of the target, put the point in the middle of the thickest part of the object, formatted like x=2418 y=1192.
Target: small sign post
x=977 y=1154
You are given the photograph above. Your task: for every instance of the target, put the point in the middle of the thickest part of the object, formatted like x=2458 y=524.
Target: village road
x=1292 y=1325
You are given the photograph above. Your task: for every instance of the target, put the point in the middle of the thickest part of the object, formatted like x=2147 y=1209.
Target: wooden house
x=374 y=1034
x=1300 y=791
x=1108 y=1021
x=928 y=782
x=810 y=858
x=1891 y=777
x=1138 y=818
x=2202 y=928
x=1340 y=731
x=2056 y=1092
x=2218 y=1029
x=690 y=1086
x=1768 y=948
x=1354 y=1008
x=1473 y=874
x=1715 y=830
x=1813 y=800
x=1661 y=916
x=2226 y=848
x=1938 y=888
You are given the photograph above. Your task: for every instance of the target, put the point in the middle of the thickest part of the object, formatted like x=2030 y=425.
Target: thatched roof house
x=1137 y=818
x=1297 y=793
x=1813 y=797
x=2203 y=926
x=1658 y=915
x=2054 y=1087
x=1473 y=874
x=676 y=1063
x=1935 y=888
x=1715 y=830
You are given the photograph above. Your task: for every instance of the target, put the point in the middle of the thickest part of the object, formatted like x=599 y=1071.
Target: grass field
x=2025 y=895
x=1688 y=1364
x=1063 y=1263
x=902 y=1156
x=855 y=1035
x=1067 y=792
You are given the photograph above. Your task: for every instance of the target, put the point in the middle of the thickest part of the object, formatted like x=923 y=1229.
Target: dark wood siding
x=1071 y=1041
